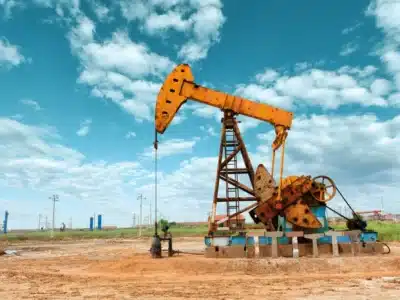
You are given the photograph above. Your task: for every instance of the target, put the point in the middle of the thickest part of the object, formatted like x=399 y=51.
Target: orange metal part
x=290 y=202
x=179 y=86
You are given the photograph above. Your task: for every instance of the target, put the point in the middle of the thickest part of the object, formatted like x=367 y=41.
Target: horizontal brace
x=235 y=171
x=236 y=199
x=237 y=184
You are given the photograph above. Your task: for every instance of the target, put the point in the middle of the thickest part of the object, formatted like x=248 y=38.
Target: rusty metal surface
x=300 y=214
x=291 y=204
x=241 y=199
x=237 y=184
x=231 y=145
x=264 y=184
x=325 y=188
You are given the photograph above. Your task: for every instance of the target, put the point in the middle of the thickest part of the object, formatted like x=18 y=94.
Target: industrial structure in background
x=292 y=209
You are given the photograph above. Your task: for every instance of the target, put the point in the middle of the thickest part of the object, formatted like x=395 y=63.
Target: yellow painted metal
x=264 y=184
x=294 y=188
x=300 y=214
x=179 y=86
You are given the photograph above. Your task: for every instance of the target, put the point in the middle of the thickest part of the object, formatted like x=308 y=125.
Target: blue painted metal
x=264 y=240
x=369 y=236
x=99 y=222
x=238 y=240
x=5 y=222
x=250 y=241
x=229 y=241
x=91 y=224
x=320 y=214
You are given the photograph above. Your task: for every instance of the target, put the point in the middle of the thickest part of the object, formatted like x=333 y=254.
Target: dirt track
x=122 y=269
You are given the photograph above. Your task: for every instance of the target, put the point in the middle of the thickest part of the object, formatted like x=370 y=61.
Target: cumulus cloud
x=171 y=147
x=348 y=49
x=33 y=158
x=117 y=69
x=130 y=135
x=387 y=16
x=202 y=20
x=10 y=55
x=84 y=128
x=357 y=152
x=316 y=87
x=31 y=103
x=8 y=6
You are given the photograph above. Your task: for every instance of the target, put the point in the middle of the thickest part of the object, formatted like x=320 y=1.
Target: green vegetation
x=177 y=231
x=387 y=232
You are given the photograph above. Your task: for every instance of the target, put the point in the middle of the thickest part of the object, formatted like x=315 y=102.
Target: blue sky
x=79 y=81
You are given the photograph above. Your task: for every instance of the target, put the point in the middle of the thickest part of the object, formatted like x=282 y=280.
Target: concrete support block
x=305 y=250
x=294 y=235
x=274 y=235
x=251 y=251
x=286 y=250
x=314 y=237
x=355 y=238
x=334 y=235
x=370 y=248
x=265 y=251
x=225 y=252
x=257 y=247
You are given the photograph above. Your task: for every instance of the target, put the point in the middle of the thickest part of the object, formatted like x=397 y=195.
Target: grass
x=386 y=232
x=177 y=231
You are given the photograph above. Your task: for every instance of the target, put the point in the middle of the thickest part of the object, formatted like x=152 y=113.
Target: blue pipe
x=5 y=223
x=91 y=224
x=99 y=225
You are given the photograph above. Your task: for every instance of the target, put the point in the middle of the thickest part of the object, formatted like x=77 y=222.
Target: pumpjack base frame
x=262 y=246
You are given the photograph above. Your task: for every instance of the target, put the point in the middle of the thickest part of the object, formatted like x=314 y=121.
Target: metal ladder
x=232 y=207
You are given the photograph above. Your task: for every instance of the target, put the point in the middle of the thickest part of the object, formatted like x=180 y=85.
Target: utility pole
x=55 y=199
x=140 y=197
x=46 y=225
x=150 y=214
x=40 y=218
x=133 y=220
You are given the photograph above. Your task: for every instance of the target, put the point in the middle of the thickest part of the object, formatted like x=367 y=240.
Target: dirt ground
x=123 y=269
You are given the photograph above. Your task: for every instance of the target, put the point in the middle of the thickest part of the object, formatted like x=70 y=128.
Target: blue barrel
x=99 y=225
x=91 y=224
x=5 y=223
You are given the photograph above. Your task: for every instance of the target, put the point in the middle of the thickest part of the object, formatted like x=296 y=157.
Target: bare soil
x=123 y=269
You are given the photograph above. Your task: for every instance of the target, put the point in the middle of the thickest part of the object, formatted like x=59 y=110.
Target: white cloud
x=34 y=160
x=171 y=147
x=264 y=94
x=387 y=17
x=269 y=75
x=31 y=103
x=117 y=69
x=209 y=130
x=316 y=87
x=348 y=49
x=201 y=19
x=130 y=135
x=380 y=87
x=10 y=55
x=9 y=5
x=84 y=128
x=351 y=28
x=357 y=152
x=394 y=99
x=103 y=13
